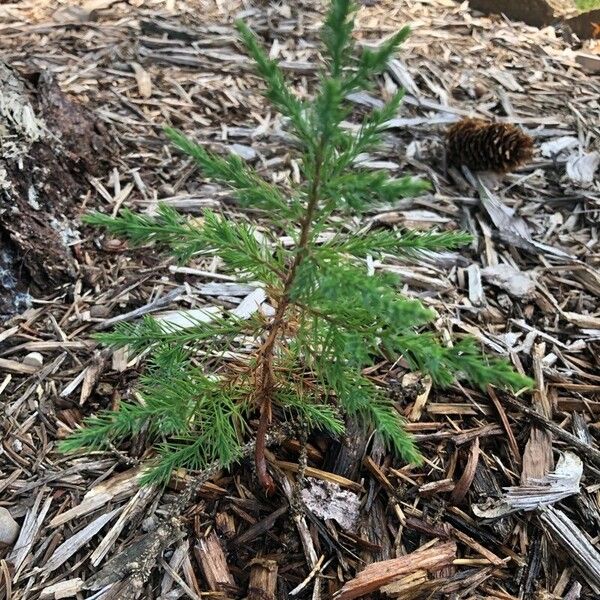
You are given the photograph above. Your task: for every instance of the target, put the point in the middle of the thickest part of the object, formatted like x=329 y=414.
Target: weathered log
x=541 y=13
x=48 y=146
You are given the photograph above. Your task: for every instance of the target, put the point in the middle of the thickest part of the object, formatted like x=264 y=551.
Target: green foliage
x=335 y=321
x=278 y=91
x=363 y=189
x=406 y=243
x=248 y=187
x=149 y=332
x=168 y=228
x=587 y=4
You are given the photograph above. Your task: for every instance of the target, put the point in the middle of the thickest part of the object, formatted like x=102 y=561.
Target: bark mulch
x=506 y=505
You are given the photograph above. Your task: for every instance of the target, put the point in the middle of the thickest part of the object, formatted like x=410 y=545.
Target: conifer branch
x=332 y=321
x=250 y=189
x=277 y=90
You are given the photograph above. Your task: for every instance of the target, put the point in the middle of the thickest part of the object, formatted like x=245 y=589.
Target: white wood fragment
x=582 y=320
x=29 y=531
x=403 y=77
x=476 y=294
x=118 y=487
x=227 y=289
x=74 y=384
x=558 y=145
x=506 y=79
x=143 y=79
x=413 y=277
x=201 y=273
x=71 y=545
x=246 y=152
x=515 y=282
x=136 y=504
x=575 y=543
x=62 y=589
x=176 y=562
x=184 y=319
x=564 y=482
x=414 y=378
x=250 y=304
x=327 y=500
x=582 y=168
x=119 y=360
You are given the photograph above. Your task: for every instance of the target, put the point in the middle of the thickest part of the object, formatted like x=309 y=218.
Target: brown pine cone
x=484 y=146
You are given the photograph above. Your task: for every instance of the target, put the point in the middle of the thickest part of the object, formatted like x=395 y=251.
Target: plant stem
x=267 y=380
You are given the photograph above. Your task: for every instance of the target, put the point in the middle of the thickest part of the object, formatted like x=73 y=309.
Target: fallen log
x=541 y=13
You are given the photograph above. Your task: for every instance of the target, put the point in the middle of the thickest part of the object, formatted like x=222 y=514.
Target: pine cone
x=484 y=146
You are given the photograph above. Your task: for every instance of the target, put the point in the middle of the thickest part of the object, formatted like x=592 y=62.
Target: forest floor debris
x=84 y=523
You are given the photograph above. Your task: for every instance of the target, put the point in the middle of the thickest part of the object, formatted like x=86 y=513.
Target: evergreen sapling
x=331 y=320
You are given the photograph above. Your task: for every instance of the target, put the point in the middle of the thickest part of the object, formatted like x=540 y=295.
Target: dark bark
x=48 y=147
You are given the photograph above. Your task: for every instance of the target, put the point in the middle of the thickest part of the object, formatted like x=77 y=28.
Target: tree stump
x=48 y=148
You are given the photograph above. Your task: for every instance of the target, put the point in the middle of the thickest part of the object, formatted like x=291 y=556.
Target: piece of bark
x=225 y=524
x=63 y=589
x=537 y=458
x=263 y=580
x=376 y=575
x=564 y=482
x=71 y=545
x=131 y=567
x=211 y=558
x=410 y=586
x=30 y=530
x=120 y=486
x=344 y=458
x=328 y=500
x=260 y=528
x=464 y=483
x=589 y=453
x=476 y=546
x=575 y=544
x=512 y=441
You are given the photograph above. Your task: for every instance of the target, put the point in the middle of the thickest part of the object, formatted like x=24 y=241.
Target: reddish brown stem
x=259 y=450
x=267 y=383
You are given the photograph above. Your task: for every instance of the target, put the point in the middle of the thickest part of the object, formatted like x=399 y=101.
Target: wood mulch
x=507 y=504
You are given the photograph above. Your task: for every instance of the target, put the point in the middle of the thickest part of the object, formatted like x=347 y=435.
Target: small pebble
x=33 y=359
x=149 y=524
x=167 y=189
x=99 y=311
x=9 y=528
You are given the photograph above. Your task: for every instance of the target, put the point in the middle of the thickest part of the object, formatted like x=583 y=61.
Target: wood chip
x=376 y=575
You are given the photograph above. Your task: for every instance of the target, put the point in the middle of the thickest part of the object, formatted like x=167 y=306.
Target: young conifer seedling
x=331 y=320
